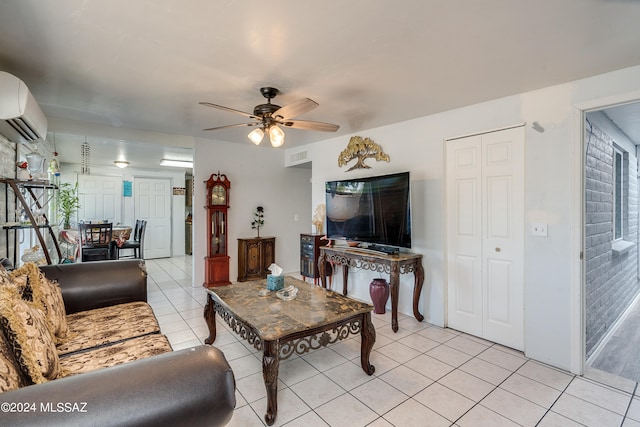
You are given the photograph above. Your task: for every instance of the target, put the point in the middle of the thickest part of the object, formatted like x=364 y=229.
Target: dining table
x=119 y=235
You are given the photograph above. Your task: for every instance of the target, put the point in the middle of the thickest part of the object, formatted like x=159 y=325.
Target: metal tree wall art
x=361 y=149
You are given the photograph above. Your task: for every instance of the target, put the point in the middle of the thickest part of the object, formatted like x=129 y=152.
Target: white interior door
x=152 y=202
x=464 y=231
x=485 y=236
x=100 y=198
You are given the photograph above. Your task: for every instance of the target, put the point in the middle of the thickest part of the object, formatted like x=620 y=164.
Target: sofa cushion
x=115 y=354
x=101 y=326
x=11 y=377
x=45 y=295
x=28 y=335
x=5 y=278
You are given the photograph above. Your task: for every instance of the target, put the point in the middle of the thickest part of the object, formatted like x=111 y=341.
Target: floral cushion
x=101 y=326
x=5 y=278
x=116 y=354
x=45 y=295
x=11 y=377
x=29 y=336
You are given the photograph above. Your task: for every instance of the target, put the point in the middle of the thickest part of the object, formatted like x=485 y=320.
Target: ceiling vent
x=297 y=157
x=21 y=119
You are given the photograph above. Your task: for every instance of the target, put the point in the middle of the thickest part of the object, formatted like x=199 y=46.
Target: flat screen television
x=374 y=210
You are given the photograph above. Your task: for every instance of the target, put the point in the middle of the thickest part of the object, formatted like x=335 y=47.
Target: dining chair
x=136 y=243
x=95 y=241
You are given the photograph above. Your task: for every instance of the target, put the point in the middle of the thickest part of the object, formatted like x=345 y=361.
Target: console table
x=393 y=265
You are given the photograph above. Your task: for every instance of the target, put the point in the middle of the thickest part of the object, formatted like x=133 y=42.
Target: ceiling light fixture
x=276 y=135
x=121 y=164
x=256 y=136
x=176 y=163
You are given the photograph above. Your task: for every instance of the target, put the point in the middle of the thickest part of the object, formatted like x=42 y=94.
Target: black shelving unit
x=36 y=201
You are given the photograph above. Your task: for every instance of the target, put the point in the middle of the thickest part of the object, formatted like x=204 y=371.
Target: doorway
x=152 y=202
x=611 y=263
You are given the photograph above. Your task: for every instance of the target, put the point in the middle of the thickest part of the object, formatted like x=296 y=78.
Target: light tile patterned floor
x=425 y=375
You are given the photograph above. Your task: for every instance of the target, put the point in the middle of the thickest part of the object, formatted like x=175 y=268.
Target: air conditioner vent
x=21 y=127
x=298 y=157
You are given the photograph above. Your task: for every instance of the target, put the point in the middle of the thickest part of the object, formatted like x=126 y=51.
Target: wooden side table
x=255 y=255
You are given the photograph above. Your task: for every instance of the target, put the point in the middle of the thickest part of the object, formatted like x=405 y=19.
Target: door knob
x=498 y=249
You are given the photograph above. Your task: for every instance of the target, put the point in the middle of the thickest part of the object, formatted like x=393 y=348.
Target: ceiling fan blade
x=233 y=126
x=220 y=107
x=294 y=109
x=309 y=125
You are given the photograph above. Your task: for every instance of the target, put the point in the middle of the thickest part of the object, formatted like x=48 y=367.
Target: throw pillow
x=29 y=337
x=45 y=295
x=5 y=278
x=11 y=377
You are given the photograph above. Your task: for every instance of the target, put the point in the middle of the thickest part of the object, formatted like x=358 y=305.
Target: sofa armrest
x=97 y=284
x=194 y=387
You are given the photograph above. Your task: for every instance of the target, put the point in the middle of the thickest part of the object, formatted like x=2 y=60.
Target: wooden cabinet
x=254 y=257
x=309 y=253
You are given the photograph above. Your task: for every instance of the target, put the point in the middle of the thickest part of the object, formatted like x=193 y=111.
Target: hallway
x=619 y=356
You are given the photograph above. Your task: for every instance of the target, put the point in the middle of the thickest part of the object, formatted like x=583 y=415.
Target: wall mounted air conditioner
x=21 y=119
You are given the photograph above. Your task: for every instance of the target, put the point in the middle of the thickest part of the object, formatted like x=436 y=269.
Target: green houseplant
x=69 y=202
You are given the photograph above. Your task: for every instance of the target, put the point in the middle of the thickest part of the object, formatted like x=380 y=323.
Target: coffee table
x=315 y=318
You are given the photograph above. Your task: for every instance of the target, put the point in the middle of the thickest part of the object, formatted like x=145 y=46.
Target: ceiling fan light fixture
x=276 y=136
x=256 y=136
x=121 y=163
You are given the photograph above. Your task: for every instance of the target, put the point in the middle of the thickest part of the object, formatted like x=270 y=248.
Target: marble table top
x=273 y=318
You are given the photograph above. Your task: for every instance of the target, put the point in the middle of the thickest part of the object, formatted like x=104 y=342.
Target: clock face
x=218 y=195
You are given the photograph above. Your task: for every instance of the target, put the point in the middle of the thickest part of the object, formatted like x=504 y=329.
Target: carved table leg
x=345 y=277
x=394 y=284
x=417 y=290
x=368 y=338
x=321 y=271
x=210 y=318
x=270 y=365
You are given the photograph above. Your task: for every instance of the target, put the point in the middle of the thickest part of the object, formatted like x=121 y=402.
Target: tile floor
x=425 y=375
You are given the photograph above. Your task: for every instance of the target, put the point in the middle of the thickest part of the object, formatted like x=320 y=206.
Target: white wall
x=258 y=178
x=553 y=186
x=70 y=171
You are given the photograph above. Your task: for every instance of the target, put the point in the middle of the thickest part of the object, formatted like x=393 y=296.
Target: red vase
x=379 y=291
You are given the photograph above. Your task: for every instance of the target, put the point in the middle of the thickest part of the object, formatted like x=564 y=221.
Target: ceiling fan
x=269 y=117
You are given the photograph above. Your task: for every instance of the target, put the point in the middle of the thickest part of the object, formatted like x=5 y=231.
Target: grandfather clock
x=216 y=264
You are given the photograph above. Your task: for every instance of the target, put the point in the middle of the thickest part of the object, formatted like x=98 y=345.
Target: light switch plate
x=539 y=229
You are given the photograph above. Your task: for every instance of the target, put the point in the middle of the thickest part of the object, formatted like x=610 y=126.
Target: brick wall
x=611 y=280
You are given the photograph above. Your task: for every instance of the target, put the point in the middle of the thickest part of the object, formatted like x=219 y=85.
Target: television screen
x=374 y=210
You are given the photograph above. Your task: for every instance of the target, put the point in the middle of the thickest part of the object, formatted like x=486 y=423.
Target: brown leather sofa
x=194 y=386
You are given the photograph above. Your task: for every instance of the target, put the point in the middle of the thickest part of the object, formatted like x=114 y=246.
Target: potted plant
x=69 y=202
x=258 y=219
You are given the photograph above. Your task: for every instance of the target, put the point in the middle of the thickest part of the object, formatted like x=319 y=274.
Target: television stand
x=365 y=259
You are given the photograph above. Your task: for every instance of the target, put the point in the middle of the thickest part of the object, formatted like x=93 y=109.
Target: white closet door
x=100 y=198
x=485 y=236
x=503 y=243
x=464 y=234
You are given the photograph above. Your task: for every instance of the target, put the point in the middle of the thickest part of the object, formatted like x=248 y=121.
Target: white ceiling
x=145 y=64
